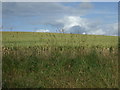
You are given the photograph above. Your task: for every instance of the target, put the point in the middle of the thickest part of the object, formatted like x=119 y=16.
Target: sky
x=98 y=18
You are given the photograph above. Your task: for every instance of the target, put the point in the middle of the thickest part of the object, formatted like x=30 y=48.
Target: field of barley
x=58 y=60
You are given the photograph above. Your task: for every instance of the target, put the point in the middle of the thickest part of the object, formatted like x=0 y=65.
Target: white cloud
x=42 y=30
x=32 y=13
x=83 y=33
x=97 y=32
x=75 y=24
x=70 y=21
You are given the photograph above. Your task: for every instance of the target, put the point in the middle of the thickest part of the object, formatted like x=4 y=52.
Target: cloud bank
x=75 y=24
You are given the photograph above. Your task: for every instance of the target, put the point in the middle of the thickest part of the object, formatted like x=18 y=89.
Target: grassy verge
x=66 y=68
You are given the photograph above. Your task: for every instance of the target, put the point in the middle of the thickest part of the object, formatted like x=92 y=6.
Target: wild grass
x=49 y=60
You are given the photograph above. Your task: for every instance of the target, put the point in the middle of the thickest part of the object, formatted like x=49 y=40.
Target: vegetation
x=52 y=60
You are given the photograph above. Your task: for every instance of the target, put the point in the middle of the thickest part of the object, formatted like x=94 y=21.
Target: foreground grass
x=59 y=65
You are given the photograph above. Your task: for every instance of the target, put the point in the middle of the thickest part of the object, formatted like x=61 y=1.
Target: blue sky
x=100 y=18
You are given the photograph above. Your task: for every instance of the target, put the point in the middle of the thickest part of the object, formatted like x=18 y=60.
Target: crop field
x=58 y=60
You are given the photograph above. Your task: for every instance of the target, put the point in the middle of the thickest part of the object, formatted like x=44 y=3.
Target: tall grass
x=59 y=60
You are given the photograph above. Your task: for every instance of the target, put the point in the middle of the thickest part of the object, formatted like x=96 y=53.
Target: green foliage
x=49 y=60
